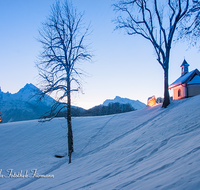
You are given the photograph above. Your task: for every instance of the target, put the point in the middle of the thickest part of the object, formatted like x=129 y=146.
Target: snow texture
x=152 y=148
x=135 y=103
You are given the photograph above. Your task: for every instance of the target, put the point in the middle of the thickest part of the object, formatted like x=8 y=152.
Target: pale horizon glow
x=122 y=65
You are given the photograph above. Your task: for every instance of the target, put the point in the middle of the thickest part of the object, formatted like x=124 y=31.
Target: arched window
x=179 y=92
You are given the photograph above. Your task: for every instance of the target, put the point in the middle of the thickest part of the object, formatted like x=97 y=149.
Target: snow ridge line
x=95 y=150
x=73 y=180
x=45 y=173
x=63 y=162
x=108 y=175
x=162 y=144
x=159 y=169
x=165 y=166
x=125 y=134
x=91 y=139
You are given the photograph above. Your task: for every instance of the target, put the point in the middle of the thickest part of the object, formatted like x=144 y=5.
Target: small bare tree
x=156 y=21
x=63 y=39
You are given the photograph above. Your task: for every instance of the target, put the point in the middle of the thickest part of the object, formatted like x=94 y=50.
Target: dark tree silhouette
x=0 y=118
x=156 y=21
x=190 y=28
x=111 y=108
x=63 y=39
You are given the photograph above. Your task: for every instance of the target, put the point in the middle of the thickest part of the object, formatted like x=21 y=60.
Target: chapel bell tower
x=184 y=67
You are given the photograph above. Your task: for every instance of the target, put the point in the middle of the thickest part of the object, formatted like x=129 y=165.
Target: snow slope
x=152 y=148
x=135 y=103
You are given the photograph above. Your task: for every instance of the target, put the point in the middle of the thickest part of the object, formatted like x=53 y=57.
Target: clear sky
x=122 y=65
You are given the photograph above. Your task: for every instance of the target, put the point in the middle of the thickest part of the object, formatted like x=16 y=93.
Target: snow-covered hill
x=152 y=148
x=24 y=104
x=135 y=103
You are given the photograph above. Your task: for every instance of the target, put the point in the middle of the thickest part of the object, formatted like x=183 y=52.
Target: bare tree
x=190 y=28
x=63 y=39
x=156 y=21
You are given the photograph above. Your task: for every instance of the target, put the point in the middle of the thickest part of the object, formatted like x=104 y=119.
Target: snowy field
x=153 y=148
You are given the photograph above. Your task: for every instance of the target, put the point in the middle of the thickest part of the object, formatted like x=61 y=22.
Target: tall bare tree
x=190 y=28
x=157 y=21
x=63 y=39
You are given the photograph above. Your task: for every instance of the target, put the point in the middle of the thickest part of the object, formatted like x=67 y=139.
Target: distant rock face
x=135 y=103
x=24 y=104
x=30 y=93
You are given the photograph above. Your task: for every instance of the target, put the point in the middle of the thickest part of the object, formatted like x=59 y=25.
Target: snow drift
x=152 y=148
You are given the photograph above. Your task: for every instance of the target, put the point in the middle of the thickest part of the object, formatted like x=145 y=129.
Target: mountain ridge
x=26 y=105
x=134 y=103
x=28 y=93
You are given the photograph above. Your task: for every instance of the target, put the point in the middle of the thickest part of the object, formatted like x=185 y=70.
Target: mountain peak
x=29 y=87
x=117 y=98
x=135 y=103
x=29 y=93
x=25 y=104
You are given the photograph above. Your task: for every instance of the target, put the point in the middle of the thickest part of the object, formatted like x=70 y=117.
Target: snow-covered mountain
x=135 y=103
x=24 y=105
x=26 y=94
x=148 y=149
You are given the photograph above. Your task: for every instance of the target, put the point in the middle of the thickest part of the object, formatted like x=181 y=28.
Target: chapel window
x=179 y=92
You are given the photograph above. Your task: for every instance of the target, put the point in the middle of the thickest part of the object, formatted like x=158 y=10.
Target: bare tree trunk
x=63 y=39
x=69 y=123
x=166 y=88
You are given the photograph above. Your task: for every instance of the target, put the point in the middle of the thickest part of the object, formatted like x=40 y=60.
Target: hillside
x=152 y=148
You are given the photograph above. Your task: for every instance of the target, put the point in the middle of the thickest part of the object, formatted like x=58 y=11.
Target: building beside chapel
x=188 y=84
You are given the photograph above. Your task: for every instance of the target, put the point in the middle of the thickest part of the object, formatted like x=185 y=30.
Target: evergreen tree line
x=112 y=108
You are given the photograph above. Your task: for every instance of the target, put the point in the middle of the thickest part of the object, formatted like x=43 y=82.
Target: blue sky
x=122 y=65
